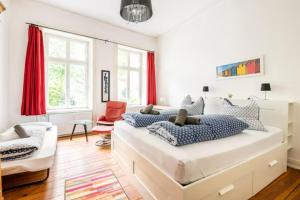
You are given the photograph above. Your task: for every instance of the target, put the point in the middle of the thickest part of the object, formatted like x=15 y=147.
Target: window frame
x=68 y=61
x=129 y=69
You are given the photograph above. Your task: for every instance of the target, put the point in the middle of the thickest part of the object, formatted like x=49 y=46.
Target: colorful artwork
x=245 y=68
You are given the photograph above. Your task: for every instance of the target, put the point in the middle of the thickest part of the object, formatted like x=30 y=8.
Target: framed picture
x=105 y=86
x=2 y=7
x=247 y=68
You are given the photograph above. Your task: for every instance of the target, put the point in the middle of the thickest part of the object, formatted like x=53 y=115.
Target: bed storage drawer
x=272 y=166
x=237 y=190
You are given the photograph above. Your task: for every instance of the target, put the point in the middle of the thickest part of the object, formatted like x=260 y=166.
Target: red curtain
x=151 y=80
x=33 y=101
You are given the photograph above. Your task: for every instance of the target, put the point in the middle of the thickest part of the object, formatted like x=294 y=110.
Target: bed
x=190 y=163
x=232 y=168
x=41 y=159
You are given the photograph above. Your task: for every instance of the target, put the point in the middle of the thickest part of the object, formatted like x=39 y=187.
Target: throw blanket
x=22 y=148
x=211 y=127
x=143 y=120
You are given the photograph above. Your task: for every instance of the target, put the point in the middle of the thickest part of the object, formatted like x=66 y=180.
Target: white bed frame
x=238 y=182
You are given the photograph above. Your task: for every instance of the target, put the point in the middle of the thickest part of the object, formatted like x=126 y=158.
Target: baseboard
x=293 y=163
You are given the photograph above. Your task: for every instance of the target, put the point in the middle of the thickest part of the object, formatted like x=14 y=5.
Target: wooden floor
x=72 y=158
x=77 y=157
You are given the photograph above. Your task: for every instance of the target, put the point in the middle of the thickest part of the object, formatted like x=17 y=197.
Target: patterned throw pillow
x=196 y=108
x=248 y=114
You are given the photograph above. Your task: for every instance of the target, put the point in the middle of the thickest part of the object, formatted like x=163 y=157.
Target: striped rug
x=100 y=185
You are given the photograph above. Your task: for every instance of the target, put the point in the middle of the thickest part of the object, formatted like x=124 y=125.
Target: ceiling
x=167 y=13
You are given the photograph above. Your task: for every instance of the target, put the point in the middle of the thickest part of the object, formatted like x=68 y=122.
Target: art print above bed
x=250 y=67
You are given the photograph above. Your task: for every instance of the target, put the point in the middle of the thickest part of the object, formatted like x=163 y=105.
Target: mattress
x=190 y=163
x=41 y=159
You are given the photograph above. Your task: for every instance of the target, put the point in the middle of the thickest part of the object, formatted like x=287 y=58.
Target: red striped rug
x=95 y=185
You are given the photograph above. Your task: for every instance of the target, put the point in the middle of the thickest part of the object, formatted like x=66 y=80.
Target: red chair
x=105 y=123
x=114 y=111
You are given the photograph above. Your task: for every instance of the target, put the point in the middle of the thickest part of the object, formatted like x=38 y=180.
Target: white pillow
x=8 y=135
x=187 y=101
x=196 y=108
x=248 y=113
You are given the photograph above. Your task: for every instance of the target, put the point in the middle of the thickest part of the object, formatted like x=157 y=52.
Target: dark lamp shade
x=265 y=87
x=136 y=10
x=205 y=89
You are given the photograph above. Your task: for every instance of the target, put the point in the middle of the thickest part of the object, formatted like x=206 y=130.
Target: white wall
x=231 y=31
x=4 y=66
x=104 y=54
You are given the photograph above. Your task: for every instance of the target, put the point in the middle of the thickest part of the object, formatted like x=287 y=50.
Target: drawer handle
x=226 y=190
x=273 y=163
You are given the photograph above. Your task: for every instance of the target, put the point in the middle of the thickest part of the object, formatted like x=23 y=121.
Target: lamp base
x=266 y=95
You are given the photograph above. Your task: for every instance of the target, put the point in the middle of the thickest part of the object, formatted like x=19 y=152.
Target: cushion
x=21 y=131
x=8 y=135
x=105 y=123
x=248 y=113
x=114 y=111
x=102 y=129
x=187 y=100
x=196 y=108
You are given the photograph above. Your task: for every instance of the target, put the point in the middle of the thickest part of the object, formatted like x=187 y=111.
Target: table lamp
x=205 y=90
x=265 y=87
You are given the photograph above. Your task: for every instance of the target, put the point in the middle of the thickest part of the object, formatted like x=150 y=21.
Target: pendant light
x=136 y=10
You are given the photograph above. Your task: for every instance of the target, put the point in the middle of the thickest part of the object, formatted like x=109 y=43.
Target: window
x=68 y=71
x=131 y=72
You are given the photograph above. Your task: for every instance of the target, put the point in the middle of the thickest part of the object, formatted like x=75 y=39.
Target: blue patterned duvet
x=144 y=120
x=211 y=127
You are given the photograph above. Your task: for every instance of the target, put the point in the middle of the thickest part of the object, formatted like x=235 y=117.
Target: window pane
x=134 y=92
x=57 y=47
x=122 y=85
x=56 y=84
x=78 y=93
x=122 y=58
x=135 y=60
x=78 y=51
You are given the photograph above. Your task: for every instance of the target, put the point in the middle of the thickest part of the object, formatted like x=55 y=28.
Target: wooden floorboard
x=79 y=157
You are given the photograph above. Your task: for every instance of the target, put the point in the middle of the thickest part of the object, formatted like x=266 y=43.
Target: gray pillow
x=248 y=113
x=21 y=131
x=196 y=108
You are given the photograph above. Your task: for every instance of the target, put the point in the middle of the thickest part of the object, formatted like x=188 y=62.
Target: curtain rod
x=95 y=38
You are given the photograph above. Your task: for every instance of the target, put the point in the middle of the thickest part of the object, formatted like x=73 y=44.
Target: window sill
x=62 y=111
